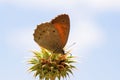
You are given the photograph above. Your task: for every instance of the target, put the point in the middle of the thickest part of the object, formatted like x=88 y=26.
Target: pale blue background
x=95 y=28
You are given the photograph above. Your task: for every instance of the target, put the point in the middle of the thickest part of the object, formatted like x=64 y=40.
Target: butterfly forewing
x=62 y=24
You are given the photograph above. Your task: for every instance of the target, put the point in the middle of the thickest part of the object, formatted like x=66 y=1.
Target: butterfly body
x=53 y=35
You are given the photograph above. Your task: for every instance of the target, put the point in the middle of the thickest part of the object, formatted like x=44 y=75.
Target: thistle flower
x=49 y=66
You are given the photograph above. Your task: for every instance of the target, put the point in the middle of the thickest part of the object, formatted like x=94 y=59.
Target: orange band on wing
x=61 y=32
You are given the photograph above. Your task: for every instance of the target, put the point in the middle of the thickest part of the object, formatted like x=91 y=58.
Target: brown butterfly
x=53 y=35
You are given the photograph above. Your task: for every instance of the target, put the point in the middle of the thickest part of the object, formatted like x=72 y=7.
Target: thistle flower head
x=50 y=66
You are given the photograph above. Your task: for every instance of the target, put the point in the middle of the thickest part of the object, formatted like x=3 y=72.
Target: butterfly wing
x=62 y=25
x=53 y=35
x=47 y=37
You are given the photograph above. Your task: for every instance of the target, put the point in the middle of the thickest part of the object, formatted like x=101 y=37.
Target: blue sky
x=95 y=28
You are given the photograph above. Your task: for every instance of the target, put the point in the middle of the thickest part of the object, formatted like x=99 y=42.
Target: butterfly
x=53 y=35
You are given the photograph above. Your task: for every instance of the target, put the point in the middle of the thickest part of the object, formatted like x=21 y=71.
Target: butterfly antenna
x=71 y=45
x=68 y=48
